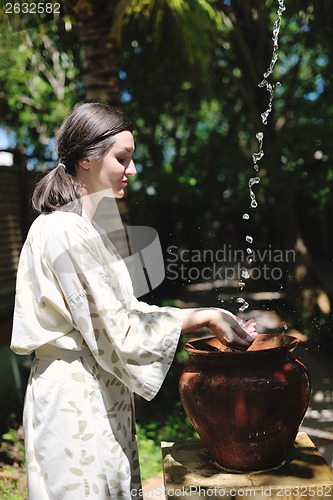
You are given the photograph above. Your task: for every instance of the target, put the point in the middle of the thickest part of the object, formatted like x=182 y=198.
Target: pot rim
x=283 y=343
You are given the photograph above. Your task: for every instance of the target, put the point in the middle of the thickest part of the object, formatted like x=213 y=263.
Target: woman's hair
x=87 y=133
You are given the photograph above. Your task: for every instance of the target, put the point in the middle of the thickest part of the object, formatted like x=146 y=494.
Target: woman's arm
x=229 y=329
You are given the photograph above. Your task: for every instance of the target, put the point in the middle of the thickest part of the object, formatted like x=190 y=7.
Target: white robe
x=95 y=346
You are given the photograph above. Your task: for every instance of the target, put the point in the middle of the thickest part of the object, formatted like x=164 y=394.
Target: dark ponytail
x=87 y=133
x=55 y=190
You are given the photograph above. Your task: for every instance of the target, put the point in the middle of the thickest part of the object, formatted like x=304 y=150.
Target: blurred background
x=187 y=72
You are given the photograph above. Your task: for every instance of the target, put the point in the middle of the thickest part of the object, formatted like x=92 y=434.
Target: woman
x=95 y=344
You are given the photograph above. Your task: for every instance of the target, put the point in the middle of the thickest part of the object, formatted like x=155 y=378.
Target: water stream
x=256 y=157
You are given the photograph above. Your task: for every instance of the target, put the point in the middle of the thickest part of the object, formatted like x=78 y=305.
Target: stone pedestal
x=190 y=472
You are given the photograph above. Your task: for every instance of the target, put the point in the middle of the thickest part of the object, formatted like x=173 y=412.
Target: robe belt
x=50 y=352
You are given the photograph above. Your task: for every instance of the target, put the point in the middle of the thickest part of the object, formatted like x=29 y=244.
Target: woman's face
x=113 y=170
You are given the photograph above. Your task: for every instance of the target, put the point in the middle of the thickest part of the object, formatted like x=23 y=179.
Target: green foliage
x=194 y=149
x=195 y=27
x=38 y=80
x=10 y=492
x=195 y=138
x=196 y=122
x=175 y=426
x=164 y=418
x=149 y=455
x=12 y=465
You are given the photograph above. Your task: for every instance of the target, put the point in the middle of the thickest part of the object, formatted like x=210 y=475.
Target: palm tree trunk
x=99 y=49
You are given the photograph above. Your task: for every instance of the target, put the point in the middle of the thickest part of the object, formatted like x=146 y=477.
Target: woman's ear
x=84 y=164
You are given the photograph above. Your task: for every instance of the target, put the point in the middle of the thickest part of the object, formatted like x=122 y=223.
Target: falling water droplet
x=246 y=216
x=244 y=305
x=249 y=239
x=260 y=137
x=249 y=250
x=245 y=274
x=264 y=83
x=271 y=89
x=258 y=156
x=254 y=180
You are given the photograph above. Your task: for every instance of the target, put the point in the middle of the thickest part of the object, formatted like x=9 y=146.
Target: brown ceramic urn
x=246 y=406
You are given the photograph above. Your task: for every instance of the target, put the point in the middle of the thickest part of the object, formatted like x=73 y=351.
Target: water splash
x=270 y=87
x=256 y=157
x=252 y=182
x=244 y=305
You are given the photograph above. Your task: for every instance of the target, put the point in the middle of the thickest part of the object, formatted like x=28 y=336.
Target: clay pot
x=246 y=406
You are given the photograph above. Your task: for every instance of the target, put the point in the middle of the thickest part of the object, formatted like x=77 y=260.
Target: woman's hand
x=228 y=328
x=231 y=330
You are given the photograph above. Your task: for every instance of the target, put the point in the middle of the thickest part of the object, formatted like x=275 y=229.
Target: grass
x=172 y=427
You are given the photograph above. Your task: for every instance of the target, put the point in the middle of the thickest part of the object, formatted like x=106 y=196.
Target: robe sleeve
x=132 y=340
